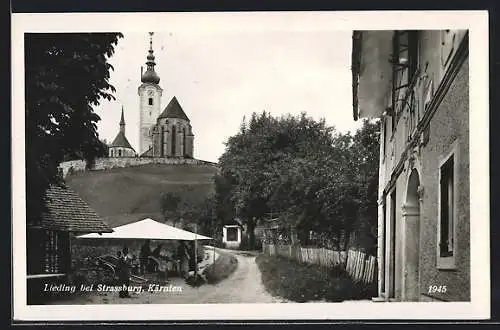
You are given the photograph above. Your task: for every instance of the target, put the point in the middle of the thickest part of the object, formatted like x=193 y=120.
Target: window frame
x=49 y=255
x=409 y=71
x=449 y=262
x=384 y=137
x=150 y=101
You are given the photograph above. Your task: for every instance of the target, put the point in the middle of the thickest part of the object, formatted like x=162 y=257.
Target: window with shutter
x=447 y=217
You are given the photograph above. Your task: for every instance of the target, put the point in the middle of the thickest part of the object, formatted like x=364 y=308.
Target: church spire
x=122 y=123
x=150 y=75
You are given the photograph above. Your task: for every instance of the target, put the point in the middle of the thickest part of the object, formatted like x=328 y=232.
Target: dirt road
x=243 y=286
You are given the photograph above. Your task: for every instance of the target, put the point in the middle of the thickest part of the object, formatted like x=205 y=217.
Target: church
x=166 y=133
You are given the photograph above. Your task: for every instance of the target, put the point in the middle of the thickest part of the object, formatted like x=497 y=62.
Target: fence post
x=347 y=264
x=367 y=271
x=356 y=273
x=360 y=265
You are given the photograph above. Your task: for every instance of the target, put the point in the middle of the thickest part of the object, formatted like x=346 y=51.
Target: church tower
x=120 y=147
x=149 y=100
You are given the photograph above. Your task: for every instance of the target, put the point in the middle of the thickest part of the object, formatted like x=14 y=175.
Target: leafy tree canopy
x=315 y=177
x=66 y=76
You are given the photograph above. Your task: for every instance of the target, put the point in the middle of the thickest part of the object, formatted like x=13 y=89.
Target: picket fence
x=360 y=266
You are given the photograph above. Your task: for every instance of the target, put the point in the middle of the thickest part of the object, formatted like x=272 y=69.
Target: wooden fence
x=360 y=266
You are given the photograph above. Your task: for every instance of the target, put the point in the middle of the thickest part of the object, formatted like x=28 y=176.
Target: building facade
x=120 y=147
x=417 y=83
x=166 y=133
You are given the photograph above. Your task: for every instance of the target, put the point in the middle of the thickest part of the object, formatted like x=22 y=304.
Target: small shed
x=48 y=241
x=231 y=234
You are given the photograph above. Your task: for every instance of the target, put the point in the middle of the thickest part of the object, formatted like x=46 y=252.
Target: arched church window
x=119 y=153
x=184 y=141
x=150 y=101
x=163 y=142
x=173 y=139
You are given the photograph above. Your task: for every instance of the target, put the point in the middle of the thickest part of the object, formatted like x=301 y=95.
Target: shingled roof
x=68 y=212
x=174 y=110
x=121 y=141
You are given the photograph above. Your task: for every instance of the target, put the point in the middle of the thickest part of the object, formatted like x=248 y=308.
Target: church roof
x=148 y=153
x=121 y=141
x=150 y=76
x=174 y=110
x=122 y=120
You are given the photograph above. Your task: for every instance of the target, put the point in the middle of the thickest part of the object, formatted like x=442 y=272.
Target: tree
x=66 y=75
x=169 y=203
x=315 y=177
x=257 y=161
x=203 y=215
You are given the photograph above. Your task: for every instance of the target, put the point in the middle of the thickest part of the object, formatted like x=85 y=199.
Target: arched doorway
x=411 y=225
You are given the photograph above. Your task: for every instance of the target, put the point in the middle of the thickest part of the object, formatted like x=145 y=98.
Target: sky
x=220 y=76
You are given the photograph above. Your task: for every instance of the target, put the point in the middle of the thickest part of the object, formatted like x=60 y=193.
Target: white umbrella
x=149 y=229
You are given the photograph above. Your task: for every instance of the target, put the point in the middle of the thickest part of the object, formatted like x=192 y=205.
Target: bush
x=224 y=266
x=244 y=244
x=258 y=244
x=304 y=282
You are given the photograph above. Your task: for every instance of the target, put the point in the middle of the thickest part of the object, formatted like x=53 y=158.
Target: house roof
x=174 y=110
x=68 y=212
x=233 y=222
x=121 y=141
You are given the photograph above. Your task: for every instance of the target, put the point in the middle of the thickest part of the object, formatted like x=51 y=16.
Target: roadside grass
x=224 y=266
x=302 y=282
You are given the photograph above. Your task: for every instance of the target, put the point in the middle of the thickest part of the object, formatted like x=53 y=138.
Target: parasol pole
x=195 y=251
x=213 y=243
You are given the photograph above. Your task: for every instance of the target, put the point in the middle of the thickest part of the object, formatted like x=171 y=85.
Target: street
x=243 y=286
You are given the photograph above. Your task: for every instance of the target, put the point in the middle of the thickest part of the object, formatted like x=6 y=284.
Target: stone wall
x=109 y=163
x=449 y=124
x=72 y=166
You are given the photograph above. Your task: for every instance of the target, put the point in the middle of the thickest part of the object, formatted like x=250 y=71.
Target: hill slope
x=124 y=195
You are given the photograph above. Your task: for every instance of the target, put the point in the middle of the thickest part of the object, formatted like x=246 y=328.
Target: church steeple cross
x=151 y=58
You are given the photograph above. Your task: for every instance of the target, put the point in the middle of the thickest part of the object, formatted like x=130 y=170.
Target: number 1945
x=437 y=288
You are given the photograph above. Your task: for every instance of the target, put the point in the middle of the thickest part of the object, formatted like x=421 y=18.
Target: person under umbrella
x=144 y=256
x=183 y=257
x=123 y=273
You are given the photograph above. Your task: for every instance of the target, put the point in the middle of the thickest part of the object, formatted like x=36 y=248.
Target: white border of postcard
x=475 y=21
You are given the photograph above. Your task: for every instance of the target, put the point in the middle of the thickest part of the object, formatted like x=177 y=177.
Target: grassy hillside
x=124 y=195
